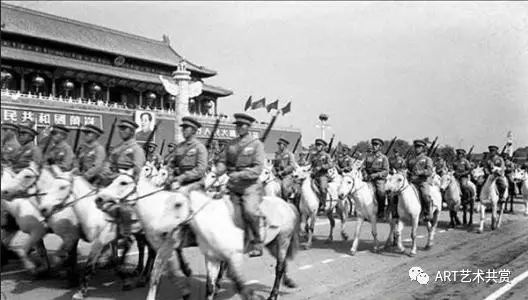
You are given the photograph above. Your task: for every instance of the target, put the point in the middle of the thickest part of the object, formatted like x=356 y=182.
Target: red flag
x=273 y=105
x=259 y=104
x=286 y=109
x=248 y=104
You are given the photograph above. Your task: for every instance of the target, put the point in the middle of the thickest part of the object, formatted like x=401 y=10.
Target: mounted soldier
x=151 y=156
x=344 y=161
x=321 y=162
x=462 y=168
x=189 y=161
x=283 y=166
x=496 y=161
x=10 y=144
x=243 y=159
x=509 y=167
x=397 y=162
x=376 y=169
x=171 y=151
x=440 y=165
x=128 y=151
x=59 y=152
x=421 y=171
x=28 y=151
x=91 y=155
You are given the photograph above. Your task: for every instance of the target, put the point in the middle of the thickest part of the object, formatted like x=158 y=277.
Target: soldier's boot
x=257 y=243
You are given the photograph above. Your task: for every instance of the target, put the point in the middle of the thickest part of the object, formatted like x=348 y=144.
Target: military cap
x=191 y=122
x=60 y=128
x=125 y=165
x=320 y=142
x=419 y=143
x=460 y=151
x=127 y=123
x=9 y=126
x=93 y=129
x=283 y=141
x=151 y=144
x=493 y=147
x=243 y=119
x=376 y=141
x=27 y=129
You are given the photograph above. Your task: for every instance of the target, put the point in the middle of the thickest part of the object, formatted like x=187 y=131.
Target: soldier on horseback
x=376 y=169
x=189 y=161
x=495 y=161
x=440 y=165
x=167 y=158
x=321 y=162
x=10 y=143
x=151 y=156
x=421 y=170
x=91 y=155
x=397 y=162
x=462 y=169
x=243 y=159
x=283 y=166
x=344 y=161
x=28 y=151
x=59 y=152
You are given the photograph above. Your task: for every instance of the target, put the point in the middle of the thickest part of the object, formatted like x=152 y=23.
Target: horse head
x=301 y=172
x=123 y=186
x=158 y=177
x=347 y=184
x=267 y=174
x=17 y=183
x=519 y=175
x=148 y=171
x=396 y=182
x=477 y=173
x=445 y=180
x=58 y=190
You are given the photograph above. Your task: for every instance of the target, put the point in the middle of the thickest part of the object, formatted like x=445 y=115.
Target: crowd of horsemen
x=242 y=158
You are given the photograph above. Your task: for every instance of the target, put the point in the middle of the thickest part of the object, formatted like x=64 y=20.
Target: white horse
x=335 y=203
x=25 y=212
x=213 y=222
x=520 y=175
x=489 y=196
x=452 y=195
x=272 y=185
x=363 y=194
x=308 y=204
x=97 y=227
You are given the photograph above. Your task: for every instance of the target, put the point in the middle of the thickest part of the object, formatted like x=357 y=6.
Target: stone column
x=181 y=77
x=53 y=87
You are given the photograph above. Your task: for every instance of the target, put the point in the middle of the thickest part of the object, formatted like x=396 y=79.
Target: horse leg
x=471 y=210
x=431 y=228
x=141 y=243
x=415 y=221
x=392 y=235
x=397 y=236
x=183 y=263
x=482 y=218
x=342 y=210
x=330 y=216
x=34 y=240
x=234 y=272
x=451 y=220
x=280 y=255
x=213 y=272
x=162 y=256
x=374 y=229
x=501 y=211
x=355 y=243
x=144 y=277
x=493 y=215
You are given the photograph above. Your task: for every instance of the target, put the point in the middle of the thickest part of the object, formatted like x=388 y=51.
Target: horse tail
x=294 y=242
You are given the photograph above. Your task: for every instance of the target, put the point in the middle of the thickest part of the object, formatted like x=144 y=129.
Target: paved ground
x=328 y=272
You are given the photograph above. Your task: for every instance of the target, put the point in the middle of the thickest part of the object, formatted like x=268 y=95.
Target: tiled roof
x=70 y=63
x=33 y=23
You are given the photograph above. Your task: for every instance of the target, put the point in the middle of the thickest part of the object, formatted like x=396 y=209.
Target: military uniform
x=60 y=154
x=397 y=163
x=127 y=152
x=189 y=162
x=376 y=167
x=421 y=170
x=496 y=161
x=283 y=166
x=29 y=152
x=10 y=146
x=344 y=163
x=440 y=166
x=168 y=157
x=244 y=160
x=508 y=172
x=321 y=162
x=90 y=159
x=462 y=168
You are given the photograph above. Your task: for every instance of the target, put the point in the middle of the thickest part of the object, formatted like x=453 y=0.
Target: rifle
x=162 y=146
x=77 y=136
x=354 y=152
x=430 y=151
x=110 y=136
x=45 y=149
x=330 y=144
x=150 y=137
x=297 y=144
x=390 y=146
x=211 y=137
x=434 y=150
x=268 y=129
x=335 y=150
x=504 y=149
x=407 y=154
x=469 y=152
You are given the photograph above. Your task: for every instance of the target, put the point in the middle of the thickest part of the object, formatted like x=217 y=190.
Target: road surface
x=327 y=271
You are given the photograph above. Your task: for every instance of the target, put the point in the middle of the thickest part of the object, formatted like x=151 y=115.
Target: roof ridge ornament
x=182 y=66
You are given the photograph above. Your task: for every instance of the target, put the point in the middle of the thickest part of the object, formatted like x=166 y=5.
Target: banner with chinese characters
x=222 y=133
x=45 y=117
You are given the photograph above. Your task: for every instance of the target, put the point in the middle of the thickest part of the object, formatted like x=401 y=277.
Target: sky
x=457 y=70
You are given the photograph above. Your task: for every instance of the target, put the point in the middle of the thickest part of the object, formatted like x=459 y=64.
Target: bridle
x=405 y=185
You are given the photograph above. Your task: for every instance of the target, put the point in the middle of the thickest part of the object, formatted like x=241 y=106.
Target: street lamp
x=323 y=118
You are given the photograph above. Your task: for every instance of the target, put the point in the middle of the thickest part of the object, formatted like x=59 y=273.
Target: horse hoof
x=78 y=296
x=412 y=254
x=400 y=250
x=428 y=247
x=353 y=252
x=289 y=283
